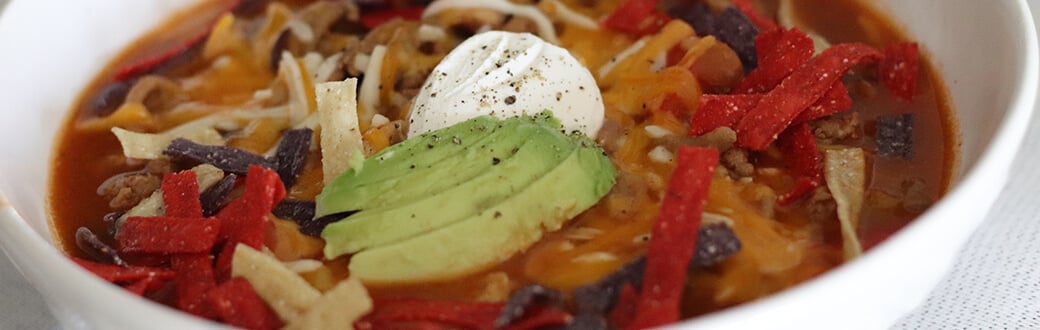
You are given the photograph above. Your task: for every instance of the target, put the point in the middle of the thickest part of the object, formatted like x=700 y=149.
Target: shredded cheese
x=327 y=68
x=369 y=97
x=569 y=16
x=545 y=26
x=622 y=56
x=430 y=33
x=291 y=72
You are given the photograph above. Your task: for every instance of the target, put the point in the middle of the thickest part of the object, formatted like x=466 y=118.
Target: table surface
x=995 y=283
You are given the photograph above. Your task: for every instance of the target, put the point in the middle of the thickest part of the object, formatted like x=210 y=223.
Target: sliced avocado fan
x=474 y=205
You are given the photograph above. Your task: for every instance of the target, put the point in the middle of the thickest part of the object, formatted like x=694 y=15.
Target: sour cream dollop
x=506 y=74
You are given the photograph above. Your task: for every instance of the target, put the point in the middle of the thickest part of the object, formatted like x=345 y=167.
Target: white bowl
x=52 y=48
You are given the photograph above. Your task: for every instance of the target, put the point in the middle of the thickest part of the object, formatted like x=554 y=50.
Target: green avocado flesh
x=491 y=191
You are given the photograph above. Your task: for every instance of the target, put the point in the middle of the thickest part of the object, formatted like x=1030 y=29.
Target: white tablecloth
x=995 y=283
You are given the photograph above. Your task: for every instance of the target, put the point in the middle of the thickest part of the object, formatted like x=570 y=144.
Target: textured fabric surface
x=994 y=284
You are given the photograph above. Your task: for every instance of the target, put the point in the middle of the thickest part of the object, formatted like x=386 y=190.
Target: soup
x=264 y=163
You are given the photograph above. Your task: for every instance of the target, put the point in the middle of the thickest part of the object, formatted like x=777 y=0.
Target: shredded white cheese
x=545 y=26
x=379 y=120
x=311 y=61
x=327 y=68
x=430 y=33
x=291 y=72
x=369 y=97
x=569 y=16
x=660 y=154
x=301 y=30
x=656 y=132
x=631 y=50
x=594 y=257
x=361 y=62
x=583 y=233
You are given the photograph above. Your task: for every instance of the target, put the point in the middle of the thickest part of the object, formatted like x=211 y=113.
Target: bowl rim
x=34 y=248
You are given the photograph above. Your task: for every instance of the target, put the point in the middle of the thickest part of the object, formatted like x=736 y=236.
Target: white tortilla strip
x=150 y=146
x=845 y=172
x=206 y=176
x=337 y=309
x=288 y=294
x=341 y=144
x=204 y=130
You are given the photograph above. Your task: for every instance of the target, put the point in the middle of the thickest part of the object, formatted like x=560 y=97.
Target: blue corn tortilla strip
x=213 y=198
x=522 y=300
x=90 y=244
x=109 y=98
x=736 y=30
x=228 y=159
x=302 y=212
x=295 y=210
x=292 y=154
x=730 y=26
x=895 y=136
x=697 y=14
x=715 y=243
x=598 y=298
x=588 y=322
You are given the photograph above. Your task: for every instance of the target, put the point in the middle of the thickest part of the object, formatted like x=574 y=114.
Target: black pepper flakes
x=495 y=161
x=510 y=99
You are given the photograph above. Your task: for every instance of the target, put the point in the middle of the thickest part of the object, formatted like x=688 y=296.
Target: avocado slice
x=495 y=234
x=510 y=168
x=439 y=159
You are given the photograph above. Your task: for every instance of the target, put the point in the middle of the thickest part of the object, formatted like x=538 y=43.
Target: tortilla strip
x=341 y=141
x=150 y=146
x=845 y=172
x=338 y=308
x=286 y=292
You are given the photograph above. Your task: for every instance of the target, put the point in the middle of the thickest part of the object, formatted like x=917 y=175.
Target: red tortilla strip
x=898 y=70
x=803 y=159
x=636 y=17
x=121 y=274
x=371 y=20
x=674 y=236
x=836 y=100
x=780 y=52
x=151 y=63
x=145 y=285
x=761 y=21
x=194 y=278
x=244 y=220
x=797 y=92
x=237 y=304
x=721 y=111
x=541 y=318
x=166 y=235
x=458 y=314
x=181 y=195
x=624 y=310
